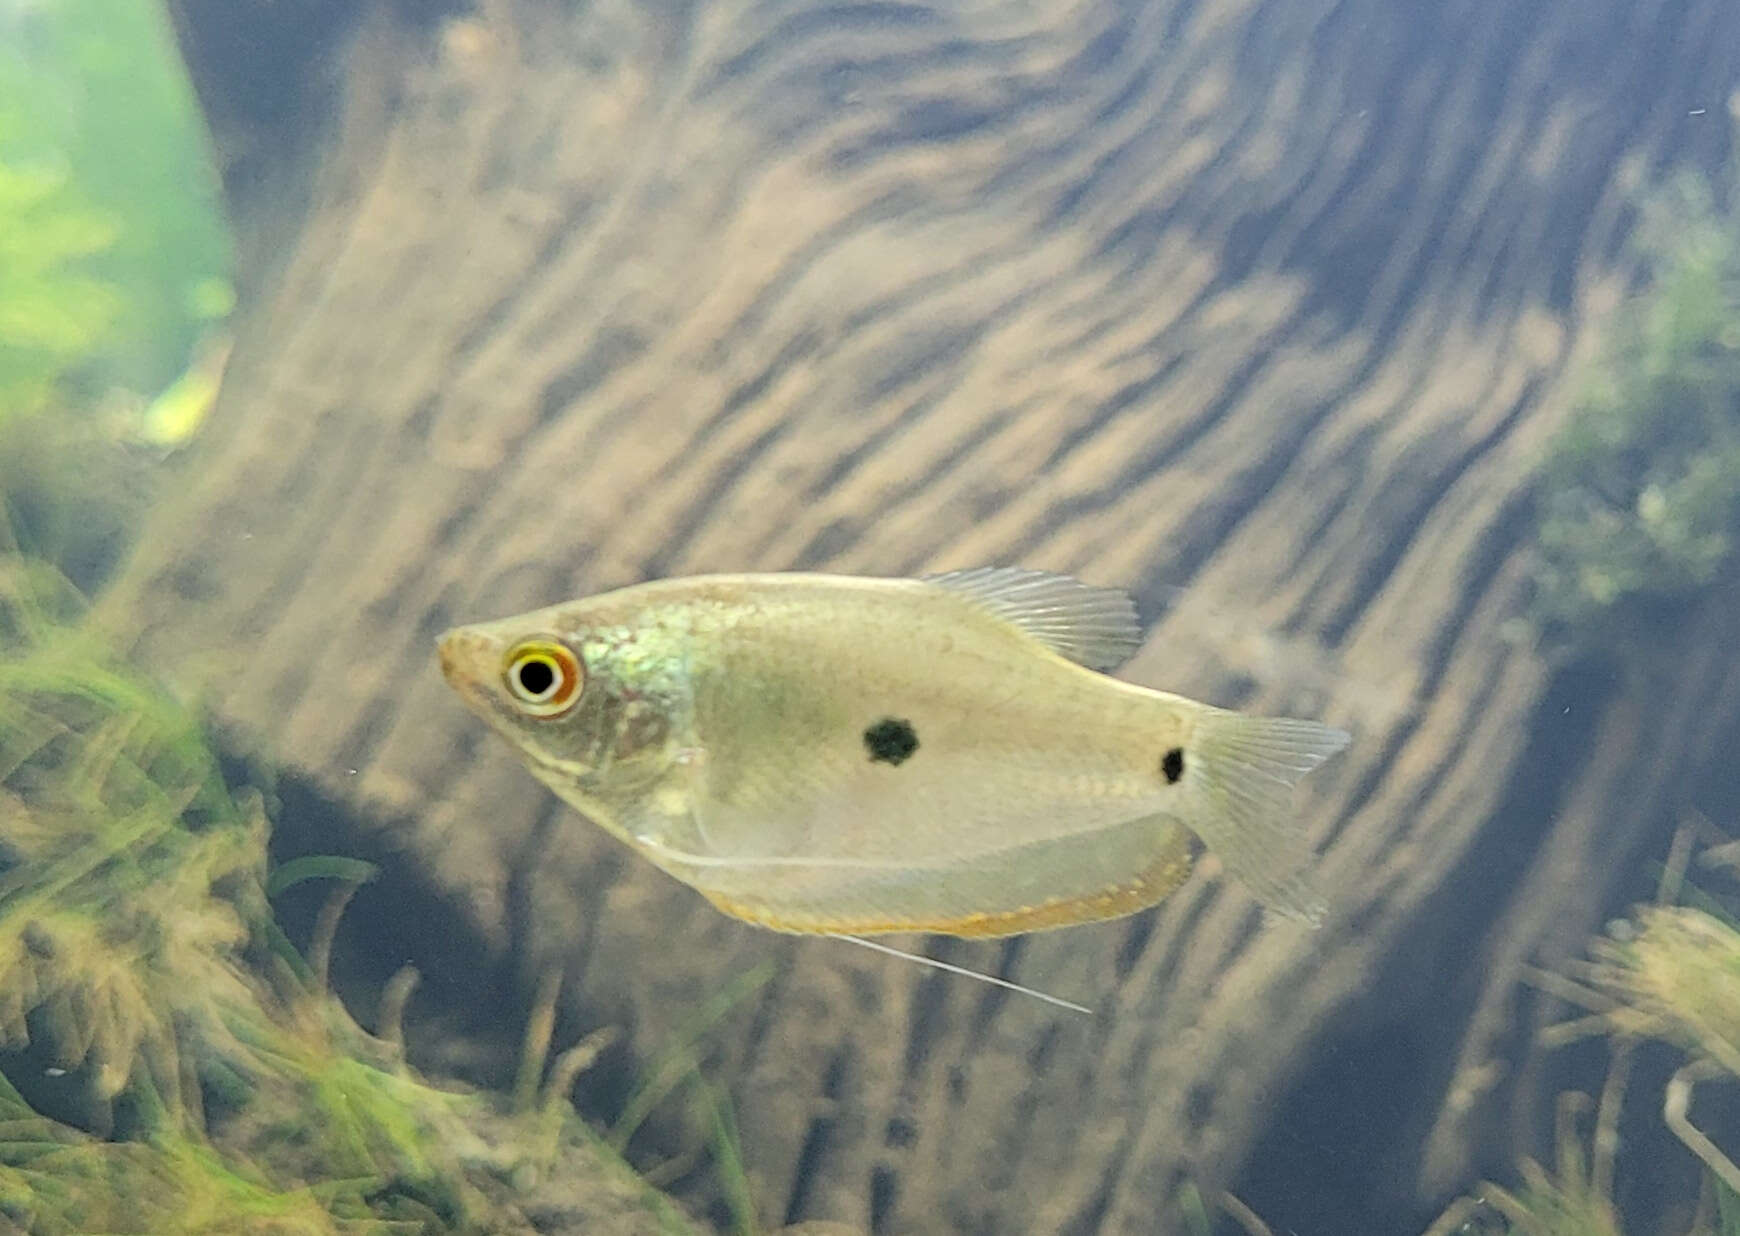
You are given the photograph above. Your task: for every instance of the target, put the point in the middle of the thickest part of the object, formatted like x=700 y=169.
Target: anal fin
x=1083 y=879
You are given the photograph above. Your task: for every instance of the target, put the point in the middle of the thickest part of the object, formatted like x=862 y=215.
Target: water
x=1388 y=354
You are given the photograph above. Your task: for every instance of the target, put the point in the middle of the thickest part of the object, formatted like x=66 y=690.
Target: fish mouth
x=468 y=660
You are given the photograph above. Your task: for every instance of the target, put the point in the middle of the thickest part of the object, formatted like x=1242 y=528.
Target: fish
x=856 y=756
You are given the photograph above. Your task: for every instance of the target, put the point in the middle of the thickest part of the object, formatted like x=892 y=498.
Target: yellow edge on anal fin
x=1143 y=890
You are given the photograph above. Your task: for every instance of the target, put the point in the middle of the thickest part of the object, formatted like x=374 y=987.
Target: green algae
x=168 y=1063
x=1639 y=495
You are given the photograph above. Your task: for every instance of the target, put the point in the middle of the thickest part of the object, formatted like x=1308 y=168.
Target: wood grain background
x=1265 y=308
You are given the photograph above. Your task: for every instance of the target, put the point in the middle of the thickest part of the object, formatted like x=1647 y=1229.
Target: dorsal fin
x=1095 y=627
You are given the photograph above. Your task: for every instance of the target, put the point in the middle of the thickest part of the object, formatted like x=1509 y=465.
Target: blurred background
x=1388 y=352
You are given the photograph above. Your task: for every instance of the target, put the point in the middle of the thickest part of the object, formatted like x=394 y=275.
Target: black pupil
x=536 y=676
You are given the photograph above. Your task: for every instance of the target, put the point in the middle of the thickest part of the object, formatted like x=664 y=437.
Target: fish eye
x=543 y=676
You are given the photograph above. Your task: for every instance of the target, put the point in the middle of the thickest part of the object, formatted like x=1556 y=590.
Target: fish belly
x=1056 y=883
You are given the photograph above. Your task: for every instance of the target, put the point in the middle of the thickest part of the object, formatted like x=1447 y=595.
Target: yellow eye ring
x=543 y=677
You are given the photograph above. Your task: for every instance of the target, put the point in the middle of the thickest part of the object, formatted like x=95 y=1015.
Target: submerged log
x=1263 y=307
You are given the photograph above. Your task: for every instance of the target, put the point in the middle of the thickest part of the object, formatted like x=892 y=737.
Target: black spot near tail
x=890 y=741
x=1172 y=765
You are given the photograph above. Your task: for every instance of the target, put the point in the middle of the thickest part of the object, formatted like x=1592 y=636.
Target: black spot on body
x=890 y=741
x=1172 y=765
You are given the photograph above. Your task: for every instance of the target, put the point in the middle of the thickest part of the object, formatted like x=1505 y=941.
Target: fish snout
x=468 y=660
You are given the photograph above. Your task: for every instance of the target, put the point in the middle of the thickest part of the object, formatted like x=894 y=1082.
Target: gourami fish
x=837 y=755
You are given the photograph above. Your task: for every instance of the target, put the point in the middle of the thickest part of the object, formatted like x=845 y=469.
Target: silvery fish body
x=835 y=754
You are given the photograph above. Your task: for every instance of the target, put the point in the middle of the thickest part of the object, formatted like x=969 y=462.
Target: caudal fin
x=1239 y=789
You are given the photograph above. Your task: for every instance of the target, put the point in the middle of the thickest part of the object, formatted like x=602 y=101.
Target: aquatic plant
x=114 y=255
x=1574 y=1199
x=677 y=1065
x=125 y=894
x=1669 y=973
x=57 y=1180
x=114 y=261
x=53 y=311
x=1640 y=491
x=1201 y=1223
x=1674 y=975
x=168 y=1062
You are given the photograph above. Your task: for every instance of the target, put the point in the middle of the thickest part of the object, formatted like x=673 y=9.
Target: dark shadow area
x=466 y=1018
x=1344 y=250
x=1341 y=1152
